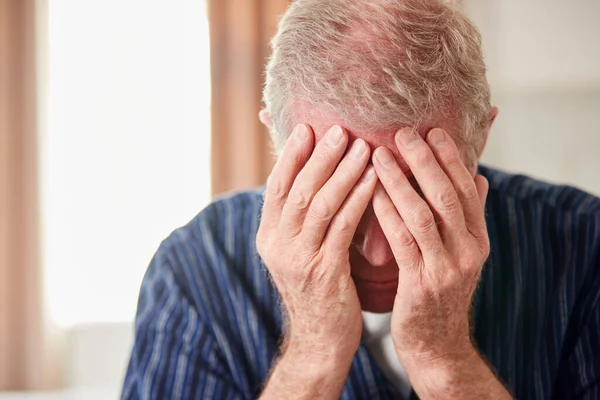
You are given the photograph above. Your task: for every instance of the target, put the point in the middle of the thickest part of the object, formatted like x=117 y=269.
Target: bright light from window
x=125 y=159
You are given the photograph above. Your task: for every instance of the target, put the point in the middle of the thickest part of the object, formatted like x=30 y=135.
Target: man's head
x=375 y=67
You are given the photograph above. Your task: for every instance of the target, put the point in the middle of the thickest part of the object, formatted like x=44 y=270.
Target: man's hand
x=314 y=201
x=440 y=243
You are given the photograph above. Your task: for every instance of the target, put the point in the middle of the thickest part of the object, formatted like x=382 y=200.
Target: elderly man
x=381 y=261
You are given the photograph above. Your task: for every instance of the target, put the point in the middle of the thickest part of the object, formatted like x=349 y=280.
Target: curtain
x=240 y=32
x=24 y=359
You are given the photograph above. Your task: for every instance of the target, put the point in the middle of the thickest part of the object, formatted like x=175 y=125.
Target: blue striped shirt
x=209 y=322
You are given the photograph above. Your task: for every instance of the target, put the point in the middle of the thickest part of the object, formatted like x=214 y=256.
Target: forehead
x=321 y=120
x=375 y=139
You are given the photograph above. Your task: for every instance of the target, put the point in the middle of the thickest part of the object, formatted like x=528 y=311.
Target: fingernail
x=437 y=137
x=358 y=149
x=407 y=137
x=300 y=133
x=384 y=157
x=334 y=136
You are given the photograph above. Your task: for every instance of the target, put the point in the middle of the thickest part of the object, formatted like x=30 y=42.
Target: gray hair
x=379 y=65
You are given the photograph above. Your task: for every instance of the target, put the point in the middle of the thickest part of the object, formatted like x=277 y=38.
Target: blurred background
x=121 y=119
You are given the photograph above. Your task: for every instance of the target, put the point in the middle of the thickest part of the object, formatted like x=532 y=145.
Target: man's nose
x=372 y=244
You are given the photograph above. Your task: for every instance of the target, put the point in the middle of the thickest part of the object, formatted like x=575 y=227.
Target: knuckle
x=485 y=246
x=448 y=199
x=321 y=209
x=423 y=156
x=264 y=253
x=452 y=160
x=264 y=246
x=403 y=237
x=472 y=269
x=324 y=156
x=483 y=241
x=453 y=279
x=469 y=191
x=341 y=223
x=275 y=190
x=423 y=218
x=260 y=243
x=472 y=261
x=260 y=249
x=299 y=199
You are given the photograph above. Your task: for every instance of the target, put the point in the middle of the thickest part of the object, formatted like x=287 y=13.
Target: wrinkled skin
x=435 y=227
x=313 y=203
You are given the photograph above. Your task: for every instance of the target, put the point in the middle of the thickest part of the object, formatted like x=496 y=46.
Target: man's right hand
x=314 y=200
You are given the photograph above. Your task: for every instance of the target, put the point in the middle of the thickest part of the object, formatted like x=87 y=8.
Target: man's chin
x=376 y=297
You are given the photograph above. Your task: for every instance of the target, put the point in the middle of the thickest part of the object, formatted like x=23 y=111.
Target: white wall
x=124 y=161
x=543 y=58
x=98 y=354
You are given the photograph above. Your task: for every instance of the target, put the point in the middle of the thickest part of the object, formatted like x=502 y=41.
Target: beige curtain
x=240 y=32
x=24 y=362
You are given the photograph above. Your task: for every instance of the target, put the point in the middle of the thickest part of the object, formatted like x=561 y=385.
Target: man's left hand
x=440 y=243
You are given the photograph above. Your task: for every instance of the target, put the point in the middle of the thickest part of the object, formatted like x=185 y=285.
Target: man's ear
x=486 y=133
x=265 y=118
x=493 y=114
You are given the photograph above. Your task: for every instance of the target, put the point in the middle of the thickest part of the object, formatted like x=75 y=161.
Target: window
x=126 y=151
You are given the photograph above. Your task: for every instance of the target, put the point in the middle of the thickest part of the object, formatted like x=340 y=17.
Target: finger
x=329 y=199
x=403 y=244
x=483 y=187
x=311 y=178
x=448 y=157
x=295 y=154
x=482 y=234
x=413 y=210
x=343 y=225
x=433 y=181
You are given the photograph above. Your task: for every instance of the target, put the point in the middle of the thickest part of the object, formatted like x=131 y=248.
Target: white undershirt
x=378 y=339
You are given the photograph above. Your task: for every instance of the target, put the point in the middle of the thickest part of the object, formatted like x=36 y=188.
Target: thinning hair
x=379 y=65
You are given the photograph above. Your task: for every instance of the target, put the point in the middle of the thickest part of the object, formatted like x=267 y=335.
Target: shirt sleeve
x=581 y=377
x=175 y=354
x=585 y=360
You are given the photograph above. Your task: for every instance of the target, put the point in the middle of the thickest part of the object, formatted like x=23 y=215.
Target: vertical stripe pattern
x=208 y=323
